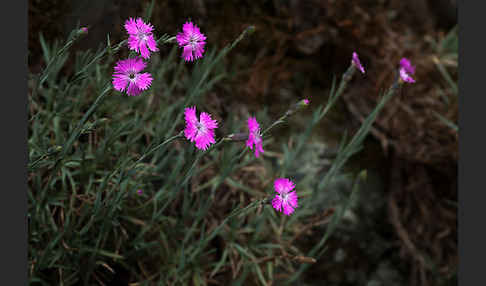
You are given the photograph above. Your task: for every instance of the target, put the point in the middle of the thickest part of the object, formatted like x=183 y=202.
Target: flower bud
x=83 y=31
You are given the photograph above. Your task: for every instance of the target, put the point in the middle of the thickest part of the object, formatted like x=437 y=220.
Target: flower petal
x=207 y=121
x=277 y=203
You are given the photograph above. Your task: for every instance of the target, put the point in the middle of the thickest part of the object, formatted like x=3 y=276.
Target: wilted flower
x=254 y=136
x=128 y=72
x=192 y=41
x=286 y=199
x=406 y=69
x=140 y=37
x=201 y=131
x=356 y=62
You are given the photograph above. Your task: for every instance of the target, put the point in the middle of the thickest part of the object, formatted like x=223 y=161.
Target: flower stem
x=124 y=171
x=79 y=128
x=70 y=41
x=157 y=147
x=220 y=226
x=277 y=122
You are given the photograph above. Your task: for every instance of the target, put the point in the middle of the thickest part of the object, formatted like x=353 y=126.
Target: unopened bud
x=299 y=105
x=304 y=102
x=83 y=31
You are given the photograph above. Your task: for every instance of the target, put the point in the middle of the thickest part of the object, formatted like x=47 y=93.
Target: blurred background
x=403 y=231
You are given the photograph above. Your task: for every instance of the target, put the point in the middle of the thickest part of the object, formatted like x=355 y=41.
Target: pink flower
x=306 y=101
x=406 y=69
x=128 y=72
x=405 y=63
x=254 y=136
x=140 y=37
x=192 y=41
x=286 y=198
x=356 y=62
x=139 y=192
x=201 y=131
x=405 y=77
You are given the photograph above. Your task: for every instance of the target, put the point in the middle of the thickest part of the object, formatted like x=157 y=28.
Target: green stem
x=342 y=85
x=217 y=229
x=72 y=38
x=106 y=51
x=165 y=40
x=77 y=131
x=207 y=72
x=32 y=165
x=122 y=172
x=157 y=148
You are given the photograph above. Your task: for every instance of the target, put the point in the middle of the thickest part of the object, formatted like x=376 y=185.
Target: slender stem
x=118 y=170
x=164 y=40
x=209 y=69
x=157 y=148
x=78 y=129
x=342 y=85
x=72 y=38
x=33 y=164
x=277 y=122
x=232 y=214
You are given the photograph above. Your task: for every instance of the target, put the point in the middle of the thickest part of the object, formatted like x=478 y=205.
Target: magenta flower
x=356 y=62
x=254 y=136
x=201 y=131
x=405 y=63
x=306 y=101
x=192 y=41
x=140 y=37
x=286 y=198
x=128 y=72
x=406 y=70
x=139 y=192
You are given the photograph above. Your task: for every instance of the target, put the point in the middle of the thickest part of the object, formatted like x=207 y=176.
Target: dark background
x=297 y=47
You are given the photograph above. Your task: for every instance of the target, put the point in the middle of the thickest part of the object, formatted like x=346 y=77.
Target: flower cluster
x=202 y=131
x=128 y=75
